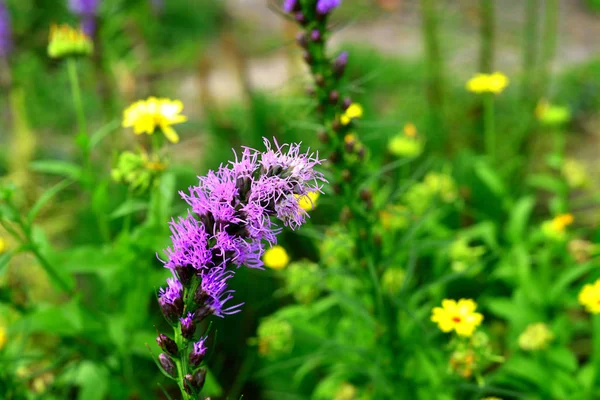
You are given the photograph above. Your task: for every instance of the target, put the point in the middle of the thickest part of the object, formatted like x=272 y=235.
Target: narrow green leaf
x=45 y=197
x=62 y=168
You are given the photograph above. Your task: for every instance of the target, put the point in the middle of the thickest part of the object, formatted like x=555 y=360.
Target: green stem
x=550 y=34
x=489 y=128
x=596 y=351
x=433 y=55
x=182 y=361
x=486 y=60
x=76 y=93
x=530 y=48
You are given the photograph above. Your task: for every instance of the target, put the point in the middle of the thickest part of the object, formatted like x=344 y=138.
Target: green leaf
x=519 y=216
x=104 y=131
x=93 y=381
x=129 y=207
x=489 y=177
x=45 y=197
x=212 y=387
x=546 y=182
x=559 y=288
x=58 y=167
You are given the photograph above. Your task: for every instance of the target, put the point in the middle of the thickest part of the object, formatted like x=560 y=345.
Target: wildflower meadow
x=299 y=199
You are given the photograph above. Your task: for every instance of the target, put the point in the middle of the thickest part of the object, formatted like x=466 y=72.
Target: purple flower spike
x=326 y=6
x=339 y=65
x=214 y=294
x=315 y=35
x=170 y=299
x=5 y=31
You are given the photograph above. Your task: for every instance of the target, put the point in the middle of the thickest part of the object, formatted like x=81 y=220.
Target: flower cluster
x=230 y=221
x=5 y=31
x=536 y=336
x=66 y=41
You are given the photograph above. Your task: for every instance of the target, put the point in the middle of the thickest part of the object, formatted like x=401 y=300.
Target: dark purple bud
x=361 y=153
x=347 y=102
x=188 y=327
x=198 y=352
x=339 y=65
x=334 y=96
x=300 y=18
x=366 y=195
x=167 y=344
x=310 y=91
x=349 y=145
x=185 y=274
x=194 y=383
x=334 y=157
x=167 y=364
x=315 y=35
x=301 y=39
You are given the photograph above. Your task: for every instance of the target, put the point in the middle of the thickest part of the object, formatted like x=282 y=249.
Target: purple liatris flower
x=232 y=217
x=87 y=10
x=339 y=65
x=198 y=352
x=170 y=299
x=326 y=6
x=5 y=31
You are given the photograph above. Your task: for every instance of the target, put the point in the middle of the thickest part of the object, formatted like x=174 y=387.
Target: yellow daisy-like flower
x=589 y=297
x=488 y=83
x=354 y=111
x=145 y=116
x=457 y=316
x=276 y=258
x=2 y=246
x=550 y=114
x=308 y=202
x=66 y=41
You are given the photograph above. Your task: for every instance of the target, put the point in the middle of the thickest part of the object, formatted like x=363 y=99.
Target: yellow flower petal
x=276 y=258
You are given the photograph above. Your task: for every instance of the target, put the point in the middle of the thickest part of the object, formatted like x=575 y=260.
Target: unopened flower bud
x=347 y=102
x=315 y=35
x=184 y=274
x=336 y=125
x=345 y=215
x=334 y=157
x=301 y=39
x=300 y=18
x=323 y=137
x=310 y=91
x=167 y=364
x=334 y=97
x=195 y=383
x=366 y=195
x=167 y=344
x=339 y=65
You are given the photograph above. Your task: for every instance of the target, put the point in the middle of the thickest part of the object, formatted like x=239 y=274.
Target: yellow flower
x=555 y=228
x=410 y=130
x=66 y=41
x=276 y=258
x=589 y=297
x=308 y=202
x=145 y=116
x=491 y=398
x=2 y=245
x=488 y=83
x=457 y=316
x=354 y=111
x=3 y=339
x=535 y=337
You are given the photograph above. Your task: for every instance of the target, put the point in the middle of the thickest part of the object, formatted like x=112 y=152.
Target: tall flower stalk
x=231 y=218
